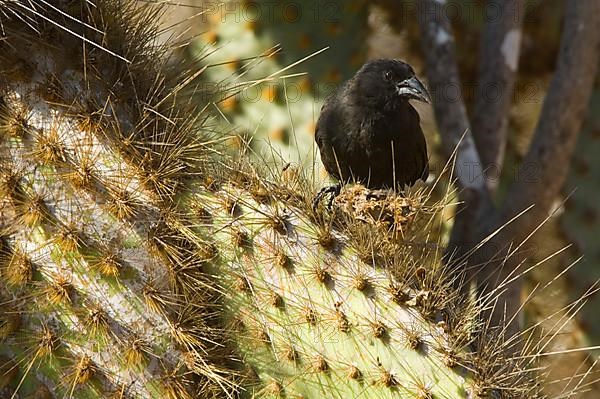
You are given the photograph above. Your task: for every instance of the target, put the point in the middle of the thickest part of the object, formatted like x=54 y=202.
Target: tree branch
x=448 y=103
x=453 y=123
x=498 y=65
x=544 y=169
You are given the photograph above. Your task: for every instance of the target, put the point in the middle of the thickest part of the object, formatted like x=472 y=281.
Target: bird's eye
x=388 y=75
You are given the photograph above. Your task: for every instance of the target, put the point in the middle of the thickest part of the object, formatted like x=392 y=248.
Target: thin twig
x=498 y=66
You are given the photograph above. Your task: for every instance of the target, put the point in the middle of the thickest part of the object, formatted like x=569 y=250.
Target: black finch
x=368 y=131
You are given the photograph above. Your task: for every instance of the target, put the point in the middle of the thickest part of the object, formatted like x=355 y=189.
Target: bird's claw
x=331 y=192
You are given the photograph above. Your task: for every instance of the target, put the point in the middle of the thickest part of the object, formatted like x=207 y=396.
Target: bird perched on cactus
x=369 y=132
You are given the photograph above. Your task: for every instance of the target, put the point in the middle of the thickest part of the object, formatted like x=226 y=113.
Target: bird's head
x=388 y=80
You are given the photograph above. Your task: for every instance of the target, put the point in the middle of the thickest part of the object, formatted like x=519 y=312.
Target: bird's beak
x=412 y=88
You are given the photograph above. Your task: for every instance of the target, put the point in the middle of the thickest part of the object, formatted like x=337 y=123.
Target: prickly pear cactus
x=265 y=102
x=137 y=262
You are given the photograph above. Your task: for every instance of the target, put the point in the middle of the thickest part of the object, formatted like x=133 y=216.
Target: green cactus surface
x=250 y=46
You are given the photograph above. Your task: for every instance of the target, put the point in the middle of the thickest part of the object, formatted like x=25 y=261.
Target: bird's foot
x=331 y=192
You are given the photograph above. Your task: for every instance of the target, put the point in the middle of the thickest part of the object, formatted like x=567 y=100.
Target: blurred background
x=270 y=64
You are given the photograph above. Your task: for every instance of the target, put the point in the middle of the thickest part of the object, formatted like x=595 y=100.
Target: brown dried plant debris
x=377 y=207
